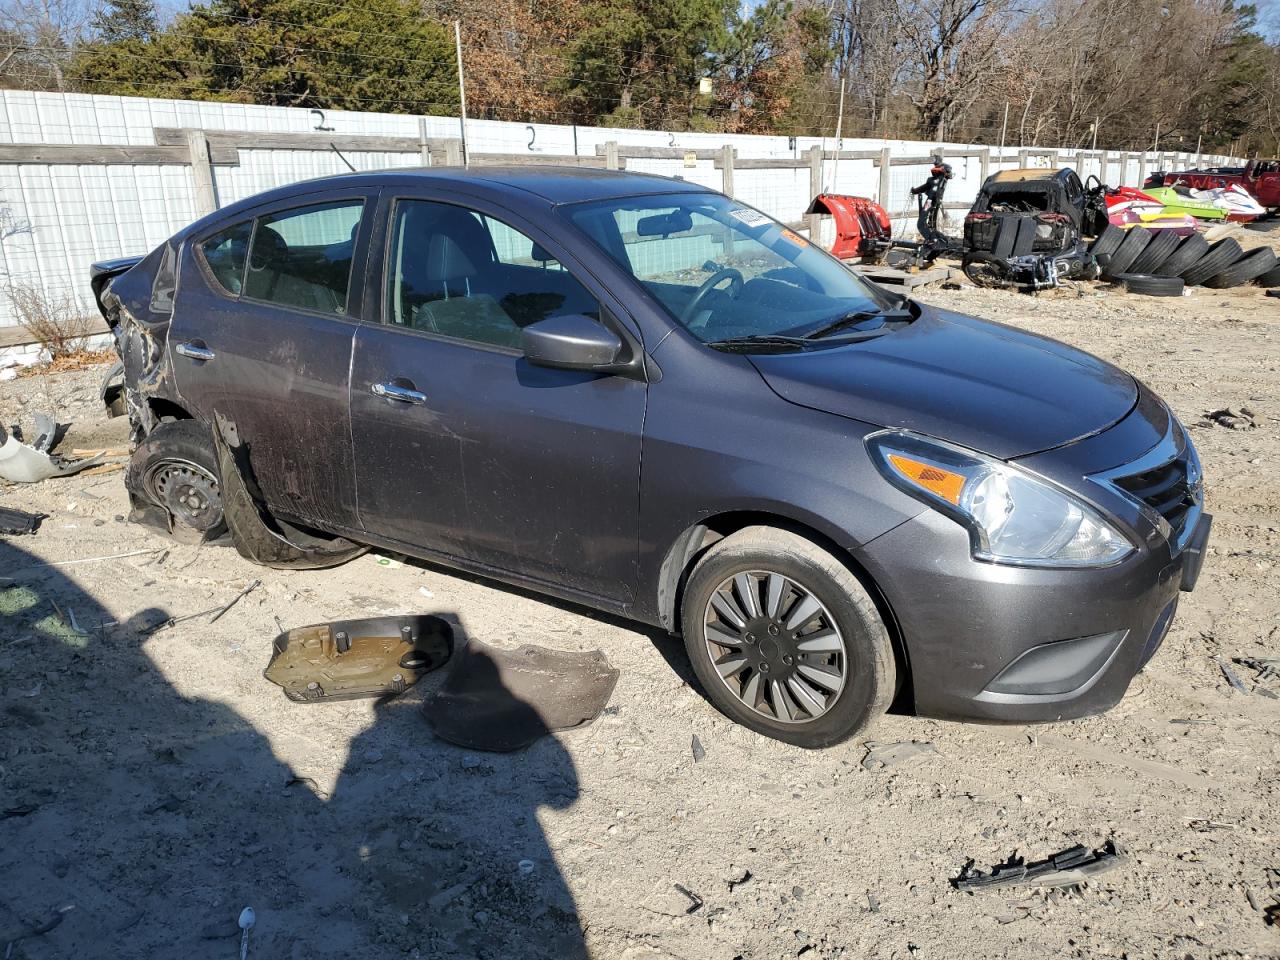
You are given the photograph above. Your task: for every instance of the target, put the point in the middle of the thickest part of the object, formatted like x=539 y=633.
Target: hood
x=988 y=387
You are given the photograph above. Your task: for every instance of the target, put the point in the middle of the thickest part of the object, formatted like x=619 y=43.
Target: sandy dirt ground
x=151 y=787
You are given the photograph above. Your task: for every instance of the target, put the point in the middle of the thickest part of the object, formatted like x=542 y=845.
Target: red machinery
x=862 y=225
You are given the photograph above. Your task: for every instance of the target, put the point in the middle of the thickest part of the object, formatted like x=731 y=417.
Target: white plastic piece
x=23 y=463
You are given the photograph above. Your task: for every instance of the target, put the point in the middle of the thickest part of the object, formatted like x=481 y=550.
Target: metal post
x=1096 y=121
x=984 y=163
x=1003 y=127
x=1199 y=163
x=462 y=89
x=1156 y=148
x=202 y=171
x=882 y=197
x=611 y=155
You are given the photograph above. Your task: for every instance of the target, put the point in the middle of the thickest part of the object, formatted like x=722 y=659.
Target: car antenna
x=335 y=149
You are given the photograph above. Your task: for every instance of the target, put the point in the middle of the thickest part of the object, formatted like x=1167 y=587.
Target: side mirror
x=573 y=342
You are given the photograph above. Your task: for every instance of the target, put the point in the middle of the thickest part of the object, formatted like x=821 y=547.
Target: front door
x=464 y=448
x=262 y=333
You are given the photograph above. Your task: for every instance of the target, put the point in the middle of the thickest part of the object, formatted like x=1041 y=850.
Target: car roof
x=522 y=185
x=1028 y=173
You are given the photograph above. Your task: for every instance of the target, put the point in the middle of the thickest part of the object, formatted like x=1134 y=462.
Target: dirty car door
x=463 y=447
x=262 y=333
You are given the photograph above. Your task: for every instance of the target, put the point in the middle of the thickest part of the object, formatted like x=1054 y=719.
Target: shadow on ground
x=138 y=822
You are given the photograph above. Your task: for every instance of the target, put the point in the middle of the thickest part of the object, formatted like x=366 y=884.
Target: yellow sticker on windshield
x=795 y=238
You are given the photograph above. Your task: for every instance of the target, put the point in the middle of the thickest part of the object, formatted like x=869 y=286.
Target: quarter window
x=302 y=258
x=226 y=253
x=460 y=274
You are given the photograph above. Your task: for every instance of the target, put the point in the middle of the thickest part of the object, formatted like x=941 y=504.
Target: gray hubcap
x=775 y=646
x=187 y=490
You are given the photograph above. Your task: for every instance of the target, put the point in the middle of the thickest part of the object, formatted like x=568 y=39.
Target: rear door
x=462 y=446
x=262 y=333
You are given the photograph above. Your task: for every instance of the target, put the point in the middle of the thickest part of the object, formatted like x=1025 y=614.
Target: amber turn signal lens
x=940 y=482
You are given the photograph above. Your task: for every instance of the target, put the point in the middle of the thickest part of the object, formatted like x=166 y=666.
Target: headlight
x=1012 y=515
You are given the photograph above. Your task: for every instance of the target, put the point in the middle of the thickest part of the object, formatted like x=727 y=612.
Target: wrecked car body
x=643 y=396
x=1025 y=229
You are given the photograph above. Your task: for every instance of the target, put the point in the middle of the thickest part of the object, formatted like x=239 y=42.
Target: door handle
x=194 y=351
x=391 y=391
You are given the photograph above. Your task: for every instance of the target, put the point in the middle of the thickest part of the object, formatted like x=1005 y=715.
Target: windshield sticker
x=749 y=218
x=795 y=238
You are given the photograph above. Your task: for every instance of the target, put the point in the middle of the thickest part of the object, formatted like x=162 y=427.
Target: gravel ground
x=151 y=787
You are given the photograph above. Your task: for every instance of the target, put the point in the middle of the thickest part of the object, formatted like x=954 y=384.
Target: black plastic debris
x=695 y=901
x=502 y=700
x=1268 y=668
x=18 y=522
x=1068 y=868
x=697 y=749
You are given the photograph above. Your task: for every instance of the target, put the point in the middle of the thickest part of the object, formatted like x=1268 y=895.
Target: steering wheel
x=713 y=281
x=1097 y=184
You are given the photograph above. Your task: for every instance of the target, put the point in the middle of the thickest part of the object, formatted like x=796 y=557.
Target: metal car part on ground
x=501 y=700
x=350 y=659
x=30 y=463
x=1068 y=868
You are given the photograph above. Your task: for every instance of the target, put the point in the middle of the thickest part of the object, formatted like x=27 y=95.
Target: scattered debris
x=1234 y=418
x=347 y=659
x=19 y=522
x=526 y=867
x=737 y=877
x=254 y=585
x=1068 y=868
x=1268 y=667
x=699 y=753
x=38 y=929
x=1201 y=825
x=695 y=901
x=873 y=903
x=247 y=920
x=30 y=463
x=1230 y=674
x=21 y=810
x=502 y=700
x=881 y=756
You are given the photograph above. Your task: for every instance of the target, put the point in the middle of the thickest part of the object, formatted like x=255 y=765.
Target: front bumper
x=995 y=642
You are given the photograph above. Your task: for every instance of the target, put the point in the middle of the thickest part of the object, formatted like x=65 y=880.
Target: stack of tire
x=1159 y=263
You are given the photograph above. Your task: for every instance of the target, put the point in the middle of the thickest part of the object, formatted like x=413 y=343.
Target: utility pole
x=1156 y=148
x=835 y=170
x=462 y=89
x=1003 y=127
x=1198 y=161
x=1095 y=133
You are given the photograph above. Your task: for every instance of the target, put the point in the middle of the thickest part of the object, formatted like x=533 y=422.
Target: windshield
x=724 y=270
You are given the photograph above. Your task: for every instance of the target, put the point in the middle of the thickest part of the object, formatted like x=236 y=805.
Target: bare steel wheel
x=187 y=490
x=775 y=646
x=174 y=467
x=785 y=639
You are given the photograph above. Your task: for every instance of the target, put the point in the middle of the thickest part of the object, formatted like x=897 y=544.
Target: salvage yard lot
x=152 y=787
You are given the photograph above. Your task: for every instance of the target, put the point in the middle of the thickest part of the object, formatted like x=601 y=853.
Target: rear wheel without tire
x=987 y=270
x=785 y=639
x=175 y=468
x=1253 y=264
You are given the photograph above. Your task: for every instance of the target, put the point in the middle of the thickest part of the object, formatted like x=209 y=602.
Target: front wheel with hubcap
x=785 y=639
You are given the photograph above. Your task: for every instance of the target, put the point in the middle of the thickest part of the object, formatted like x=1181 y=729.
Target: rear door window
x=226 y=254
x=302 y=258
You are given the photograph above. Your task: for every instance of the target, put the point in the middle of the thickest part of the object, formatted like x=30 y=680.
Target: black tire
x=1109 y=241
x=1220 y=256
x=1184 y=258
x=176 y=468
x=866 y=655
x=1252 y=265
x=987 y=270
x=1158 y=250
x=1133 y=244
x=1148 y=285
x=1269 y=279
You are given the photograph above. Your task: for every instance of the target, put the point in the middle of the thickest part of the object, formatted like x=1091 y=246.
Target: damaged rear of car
x=185 y=478
x=1025 y=228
